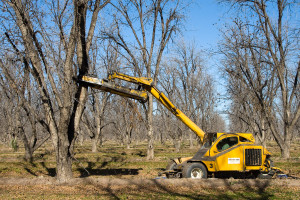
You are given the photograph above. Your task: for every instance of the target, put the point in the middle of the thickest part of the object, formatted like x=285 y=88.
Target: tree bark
x=285 y=151
x=150 y=136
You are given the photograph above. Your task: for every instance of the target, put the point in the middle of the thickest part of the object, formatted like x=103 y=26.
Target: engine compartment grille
x=253 y=157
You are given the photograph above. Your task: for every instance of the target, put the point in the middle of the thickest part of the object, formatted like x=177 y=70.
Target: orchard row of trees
x=262 y=64
x=114 y=118
x=48 y=44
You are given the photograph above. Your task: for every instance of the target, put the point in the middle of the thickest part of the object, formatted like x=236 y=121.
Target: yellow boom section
x=161 y=97
x=111 y=87
x=146 y=84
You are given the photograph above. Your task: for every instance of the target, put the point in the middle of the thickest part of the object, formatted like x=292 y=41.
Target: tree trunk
x=162 y=140
x=191 y=139
x=21 y=133
x=177 y=145
x=101 y=141
x=127 y=141
x=94 y=145
x=150 y=149
x=66 y=137
x=28 y=155
x=285 y=151
x=63 y=164
x=263 y=132
x=28 y=149
x=264 y=143
x=95 y=141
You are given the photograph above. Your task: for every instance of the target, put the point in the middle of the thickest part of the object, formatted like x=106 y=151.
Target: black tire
x=264 y=176
x=194 y=170
x=171 y=166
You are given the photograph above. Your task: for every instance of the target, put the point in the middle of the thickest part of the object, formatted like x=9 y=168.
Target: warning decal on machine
x=233 y=160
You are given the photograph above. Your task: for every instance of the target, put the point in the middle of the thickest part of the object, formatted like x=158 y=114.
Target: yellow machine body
x=231 y=152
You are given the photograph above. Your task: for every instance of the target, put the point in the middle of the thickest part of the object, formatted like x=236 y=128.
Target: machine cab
x=231 y=151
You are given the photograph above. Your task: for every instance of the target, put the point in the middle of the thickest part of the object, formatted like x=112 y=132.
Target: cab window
x=242 y=139
x=227 y=143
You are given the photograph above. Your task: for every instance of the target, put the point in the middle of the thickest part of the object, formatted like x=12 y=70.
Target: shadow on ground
x=31 y=168
x=136 y=188
x=183 y=189
x=93 y=168
x=107 y=172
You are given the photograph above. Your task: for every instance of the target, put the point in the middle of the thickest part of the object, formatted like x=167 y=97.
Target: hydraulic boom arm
x=146 y=84
x=108 y=86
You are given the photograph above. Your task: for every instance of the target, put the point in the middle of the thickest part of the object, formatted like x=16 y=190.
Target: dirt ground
x=114 y=188
x=138 y=182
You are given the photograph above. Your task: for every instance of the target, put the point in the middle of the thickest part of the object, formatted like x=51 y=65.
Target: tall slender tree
x=142 y=30
x=53 y=39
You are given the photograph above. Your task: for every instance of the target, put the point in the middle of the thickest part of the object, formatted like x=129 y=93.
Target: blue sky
x=202 y=25
x=203 y=22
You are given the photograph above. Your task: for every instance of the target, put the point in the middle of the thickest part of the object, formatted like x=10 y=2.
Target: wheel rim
x=196 y=173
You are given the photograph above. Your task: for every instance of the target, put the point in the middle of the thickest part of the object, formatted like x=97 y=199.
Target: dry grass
x=98 y=173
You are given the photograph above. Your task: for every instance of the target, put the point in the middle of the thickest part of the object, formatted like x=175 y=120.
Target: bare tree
x=197 y=96
x=25 y=117
x=185 y=79
x=169 y=125
x=126 y=119
x=49 y=49
x=245 y=110
x=150 y=25
x=263 y=47
x=93 y=118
